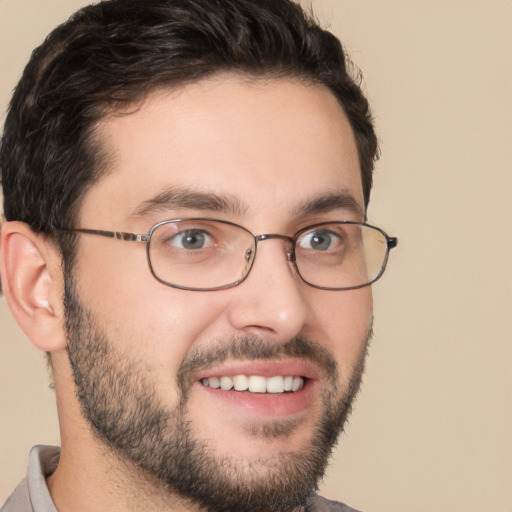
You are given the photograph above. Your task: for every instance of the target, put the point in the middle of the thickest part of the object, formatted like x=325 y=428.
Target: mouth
x=265 y=388
x=277 y=384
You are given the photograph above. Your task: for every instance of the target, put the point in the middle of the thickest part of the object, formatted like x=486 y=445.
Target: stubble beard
x=159 y=442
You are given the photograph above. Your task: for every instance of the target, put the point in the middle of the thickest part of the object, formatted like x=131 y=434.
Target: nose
x=273 y=300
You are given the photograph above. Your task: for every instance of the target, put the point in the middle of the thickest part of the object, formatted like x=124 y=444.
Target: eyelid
x=332 y=214
x=311 y=232
x=322 y=224
x=182 y=235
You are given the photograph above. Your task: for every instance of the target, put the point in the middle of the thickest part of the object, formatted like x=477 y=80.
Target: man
x=185 y=190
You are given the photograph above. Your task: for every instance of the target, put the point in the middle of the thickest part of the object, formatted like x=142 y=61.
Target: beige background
x=432 y=429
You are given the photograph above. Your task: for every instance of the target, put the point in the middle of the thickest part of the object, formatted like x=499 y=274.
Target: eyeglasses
x=209 y=254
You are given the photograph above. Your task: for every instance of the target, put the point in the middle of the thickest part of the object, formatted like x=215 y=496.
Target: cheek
x=164 y=323
x=155 y=323
x=344 y=320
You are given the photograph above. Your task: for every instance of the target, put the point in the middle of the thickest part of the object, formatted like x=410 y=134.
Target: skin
x=273 y=145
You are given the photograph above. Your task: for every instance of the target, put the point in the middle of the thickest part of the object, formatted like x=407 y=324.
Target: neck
x=90 y=476
x=93 y=478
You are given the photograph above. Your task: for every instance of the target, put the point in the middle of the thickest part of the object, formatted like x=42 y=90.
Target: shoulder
x=19 y=500
x=32 y=493
x=320 y=504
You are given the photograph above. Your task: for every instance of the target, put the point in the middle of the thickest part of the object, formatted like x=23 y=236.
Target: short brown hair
x=112 y=53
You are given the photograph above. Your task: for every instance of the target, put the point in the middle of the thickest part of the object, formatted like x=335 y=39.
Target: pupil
x=320 y=242
x=193 y=241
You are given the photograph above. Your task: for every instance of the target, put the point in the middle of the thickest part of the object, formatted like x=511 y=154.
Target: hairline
x=105 y=154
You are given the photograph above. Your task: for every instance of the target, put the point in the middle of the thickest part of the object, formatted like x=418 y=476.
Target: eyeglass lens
x=212 y=254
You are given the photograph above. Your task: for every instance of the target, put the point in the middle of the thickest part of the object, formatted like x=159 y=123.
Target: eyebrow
x=183 y=198
x=324 y=203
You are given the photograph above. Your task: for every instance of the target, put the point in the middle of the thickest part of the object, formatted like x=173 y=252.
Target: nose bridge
x=272 y=300
x=290 y=247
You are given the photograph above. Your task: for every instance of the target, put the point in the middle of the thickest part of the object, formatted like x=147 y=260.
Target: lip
x=265 y=368
x=268 y=405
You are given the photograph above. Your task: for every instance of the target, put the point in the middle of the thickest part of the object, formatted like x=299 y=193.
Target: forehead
x=268 y=145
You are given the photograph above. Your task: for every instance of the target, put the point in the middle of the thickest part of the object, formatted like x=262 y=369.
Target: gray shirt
x=32 y=494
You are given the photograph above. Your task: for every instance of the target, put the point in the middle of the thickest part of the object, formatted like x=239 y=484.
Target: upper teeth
x=255 y=383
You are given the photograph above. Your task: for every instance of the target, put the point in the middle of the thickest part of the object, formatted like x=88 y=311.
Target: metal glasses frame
x=392 y=242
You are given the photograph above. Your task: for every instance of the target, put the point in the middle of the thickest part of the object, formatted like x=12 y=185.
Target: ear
x=32 y=280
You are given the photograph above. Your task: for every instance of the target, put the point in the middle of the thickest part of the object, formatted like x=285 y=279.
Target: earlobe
x=32 y=282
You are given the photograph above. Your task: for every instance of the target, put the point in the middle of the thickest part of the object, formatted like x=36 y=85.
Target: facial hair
x=126 y=414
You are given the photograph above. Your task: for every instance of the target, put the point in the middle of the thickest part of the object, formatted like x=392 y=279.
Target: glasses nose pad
x=290 y=251
x=249 y=259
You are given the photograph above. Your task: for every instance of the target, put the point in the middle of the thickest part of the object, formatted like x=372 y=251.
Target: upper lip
x=262 y=367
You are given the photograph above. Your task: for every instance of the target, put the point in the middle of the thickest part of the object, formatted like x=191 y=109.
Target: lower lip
x=265 y=404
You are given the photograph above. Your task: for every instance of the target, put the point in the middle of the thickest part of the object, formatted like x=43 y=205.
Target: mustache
x=252 y=348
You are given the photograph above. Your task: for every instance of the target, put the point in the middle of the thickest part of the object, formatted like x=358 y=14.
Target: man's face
x=273 y=155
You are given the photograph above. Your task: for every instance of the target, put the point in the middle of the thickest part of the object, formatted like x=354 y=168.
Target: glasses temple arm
x=118 y=235
x=392 y=242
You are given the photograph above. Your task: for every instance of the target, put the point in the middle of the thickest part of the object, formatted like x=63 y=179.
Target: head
x=134 y=112
x=111 y=55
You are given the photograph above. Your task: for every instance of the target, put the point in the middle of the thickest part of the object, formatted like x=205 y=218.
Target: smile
x=255 y=383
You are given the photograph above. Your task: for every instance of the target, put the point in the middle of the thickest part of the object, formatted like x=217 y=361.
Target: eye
x=320 y=240
x=191 y=239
